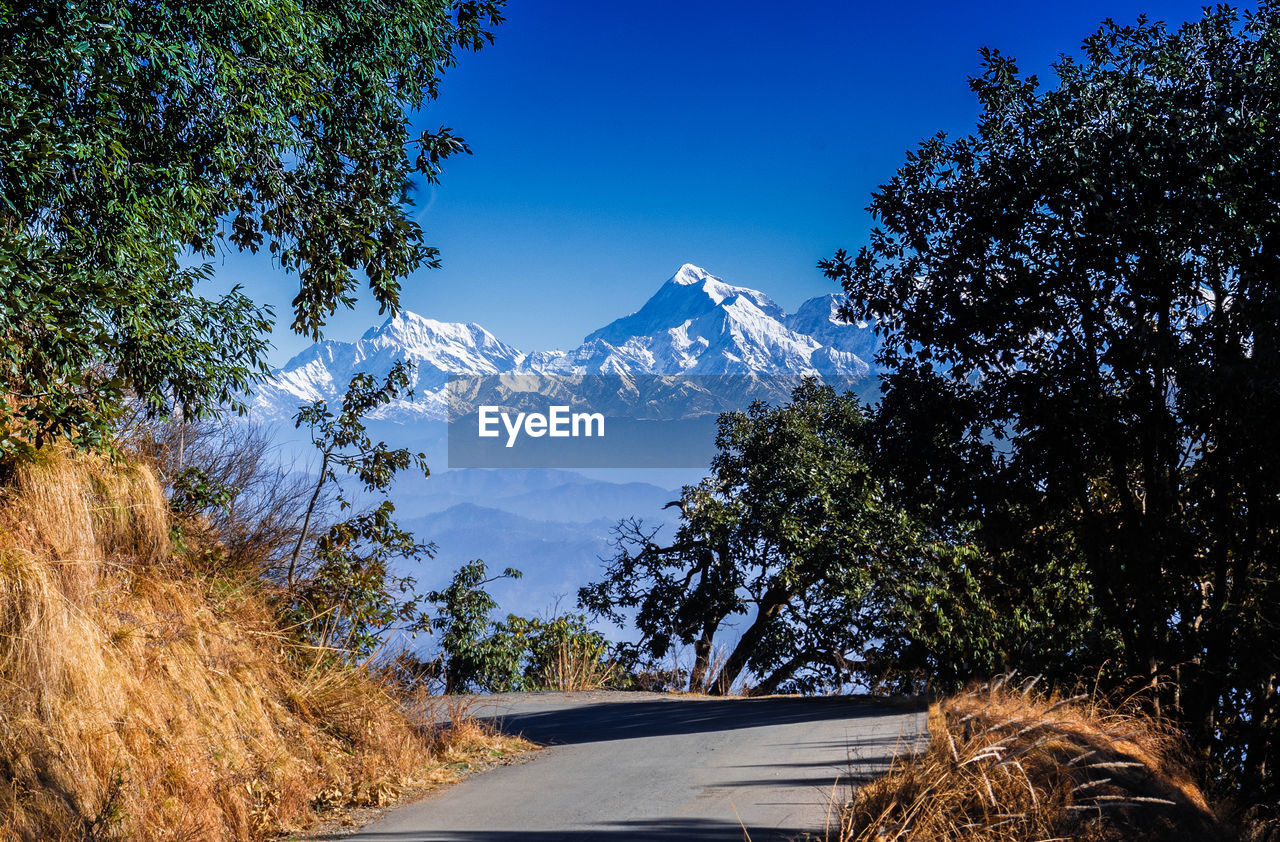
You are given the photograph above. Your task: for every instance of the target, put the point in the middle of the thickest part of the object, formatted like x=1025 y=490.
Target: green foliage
x=795 y=529
x=520 y=653
x=350 y=596
x=560 y=653
x=139 y=140
x=353 y=595
x=1082 y=327
x=474 y=657
x=196 y=490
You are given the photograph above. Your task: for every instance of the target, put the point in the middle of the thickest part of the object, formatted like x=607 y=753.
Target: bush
x=241 y=494
x=1007 y=763
x=561 y=653
x=520 y=653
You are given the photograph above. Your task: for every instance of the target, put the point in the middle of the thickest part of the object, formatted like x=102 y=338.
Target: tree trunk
x=775 y=597
x=306 y=521
x=701 y=662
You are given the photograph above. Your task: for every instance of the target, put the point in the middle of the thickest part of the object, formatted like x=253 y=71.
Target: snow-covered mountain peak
x=689 y=275
x=696 y=323
x=823 y=308
x=424 y=335
x=407 y=321
x=821 y=318
x=437 y=348
x=718 y=291
x=689 y=295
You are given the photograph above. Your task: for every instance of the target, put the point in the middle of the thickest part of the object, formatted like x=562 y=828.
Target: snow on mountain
x=438 y=349
x=443 y=347
x=690 y=294
x=820 y=318
x=695 y=323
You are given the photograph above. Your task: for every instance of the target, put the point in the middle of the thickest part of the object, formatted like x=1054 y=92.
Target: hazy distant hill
x=553 y=495
x=556 y=558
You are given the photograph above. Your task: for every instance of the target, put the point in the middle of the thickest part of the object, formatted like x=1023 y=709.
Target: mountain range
x=554 y=524
x=695 y=324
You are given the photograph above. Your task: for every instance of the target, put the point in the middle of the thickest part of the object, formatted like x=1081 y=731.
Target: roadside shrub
x=519 y=653
x=562 y=653
x=1008 y=764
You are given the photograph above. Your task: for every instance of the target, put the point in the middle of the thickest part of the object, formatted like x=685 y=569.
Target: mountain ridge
x=696 y=323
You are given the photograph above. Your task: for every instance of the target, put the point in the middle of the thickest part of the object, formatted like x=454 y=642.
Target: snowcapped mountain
x=695 y=324
x=438 y=349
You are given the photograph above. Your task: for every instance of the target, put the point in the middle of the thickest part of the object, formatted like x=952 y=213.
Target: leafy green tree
x=350 y=596
x=475 y=658
x=140 y=139
x=353 y=597
x=344 y=443
x=1082 y=334
x=794 y=531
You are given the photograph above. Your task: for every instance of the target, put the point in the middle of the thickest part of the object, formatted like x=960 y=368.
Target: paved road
x=640 y=766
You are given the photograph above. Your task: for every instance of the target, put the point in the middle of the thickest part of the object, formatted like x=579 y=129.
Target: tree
x=1083 y=292
x=344 y=443
x=139 y=139
x=474 y=657
x=350 y=595
x=794 y=530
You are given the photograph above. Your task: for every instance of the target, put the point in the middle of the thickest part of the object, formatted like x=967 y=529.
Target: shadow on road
x=663 y=717
x=658 y=830
x=766 y=783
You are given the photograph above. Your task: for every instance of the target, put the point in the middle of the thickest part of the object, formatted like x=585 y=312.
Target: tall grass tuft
x=1008 y=764
x=581 y=662
x=141 y=700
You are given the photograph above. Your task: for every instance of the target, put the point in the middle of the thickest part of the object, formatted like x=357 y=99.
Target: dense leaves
x=796 y=532
x=139 y=140
x=474 y=658
x=196 y=490
x=478 y=654
x=1082 y=323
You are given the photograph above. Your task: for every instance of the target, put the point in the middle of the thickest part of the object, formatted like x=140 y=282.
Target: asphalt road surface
x=651 y=767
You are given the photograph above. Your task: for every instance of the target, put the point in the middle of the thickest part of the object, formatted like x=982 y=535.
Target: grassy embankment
x=147 y=694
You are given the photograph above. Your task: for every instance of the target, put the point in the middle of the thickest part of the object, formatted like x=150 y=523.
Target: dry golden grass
x=1008 y=764
x=140 y=701
x=580 y=663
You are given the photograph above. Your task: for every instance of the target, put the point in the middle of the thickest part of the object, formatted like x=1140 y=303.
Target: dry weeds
x=1008 y=764
x=581 y=663
x=140 y=701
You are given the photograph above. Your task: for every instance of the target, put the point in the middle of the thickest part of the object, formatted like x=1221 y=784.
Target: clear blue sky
x=616 y=140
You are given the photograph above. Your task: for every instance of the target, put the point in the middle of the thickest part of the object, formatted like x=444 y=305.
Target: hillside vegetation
x=145 y=695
